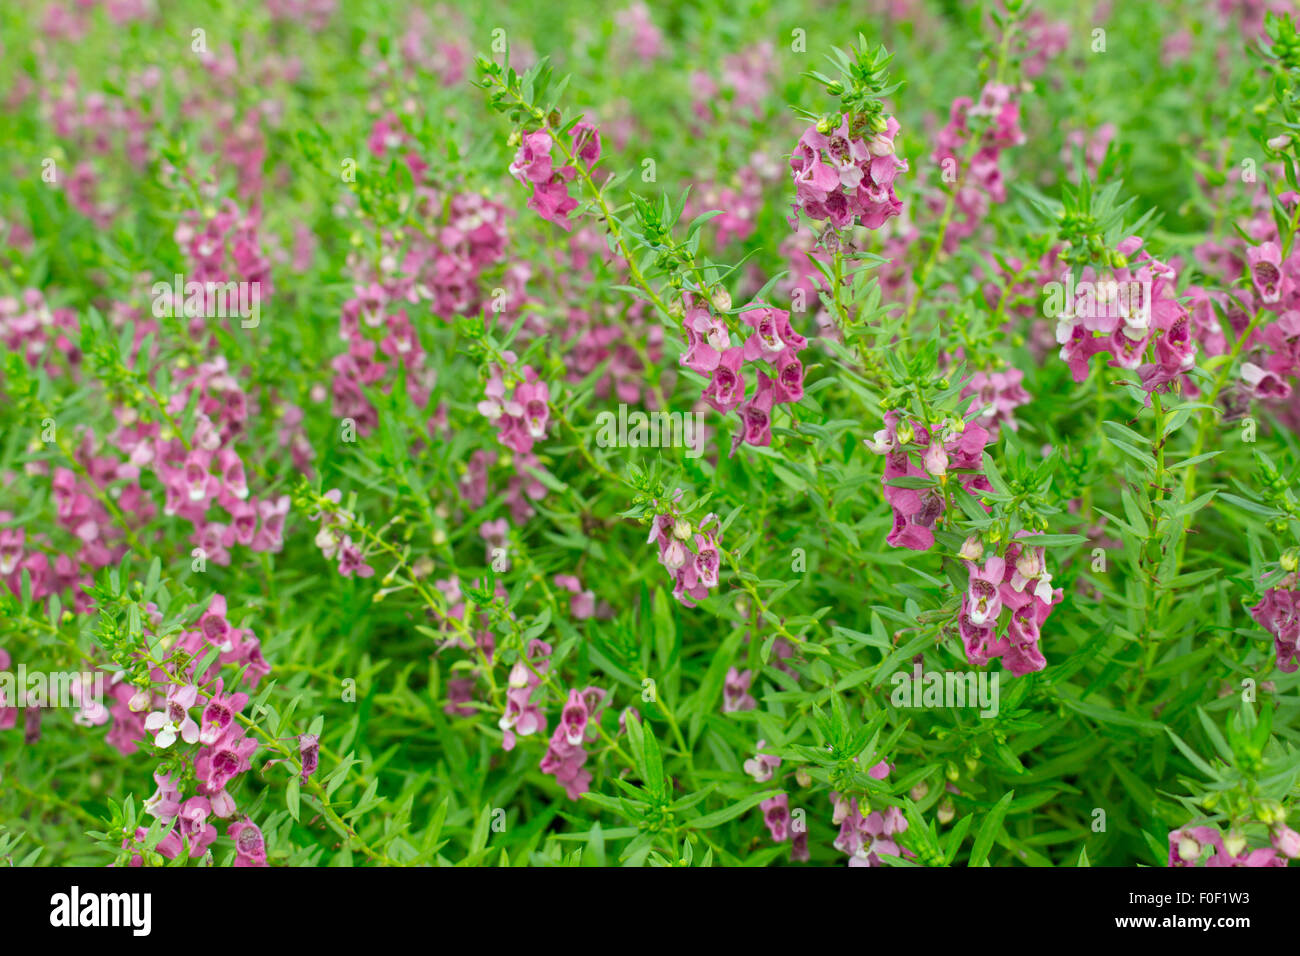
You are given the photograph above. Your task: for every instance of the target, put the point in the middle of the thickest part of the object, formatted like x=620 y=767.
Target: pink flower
x=982 y=602
x=352 y=561
x=218 y=764
x=701 y=355
x=166 y=800
x=996 y=395
x=522 y=716
x=735 y=691
x=586 y=142
x=761 y=765
x=565 y=755
x=219 y=713
x=532 y=163
x=776 y=814
x=250 y=847
x=1279 y=614
x=583 y=603
x=1265 y=271
x=174 y=719
x=194 y=826
x=169 y=847
x=308 y=754
x=756 y=416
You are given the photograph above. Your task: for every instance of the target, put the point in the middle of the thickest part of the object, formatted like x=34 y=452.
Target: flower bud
x=879 y=443
x=1286 y=841
x=1270 y=812
x=880 y=145
x=935 y=459
x=946 y=811
x=1234 y=842
x=1030 y=562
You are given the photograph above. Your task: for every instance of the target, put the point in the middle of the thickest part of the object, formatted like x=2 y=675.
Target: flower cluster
x=1017 y=582
x=523 y=717
x=865 y=836
x=1206 y=846
x=1279 y=614
x=29 y=327
x=1275 y=349
x=521 y=413
x=989 y=127
x=995 y=396
x=380 y=321
x=206 y=470
x=845 y=174
x=771 y=344
x=565 y=754
x=334 y=541
x=194 y=824
x=953 y=444
x=739 y=203
x=220 y=246
x=582 y=604
x=746 y=78
x=217 y=750
x=604 y=345
x=1124 y=314
x=534 y=167
x=639 y=32
x=690 y=555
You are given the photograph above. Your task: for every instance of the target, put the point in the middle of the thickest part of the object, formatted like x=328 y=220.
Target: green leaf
x=989 y=830
x=710 y=820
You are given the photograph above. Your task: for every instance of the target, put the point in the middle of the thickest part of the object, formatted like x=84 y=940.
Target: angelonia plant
x=670 y=435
